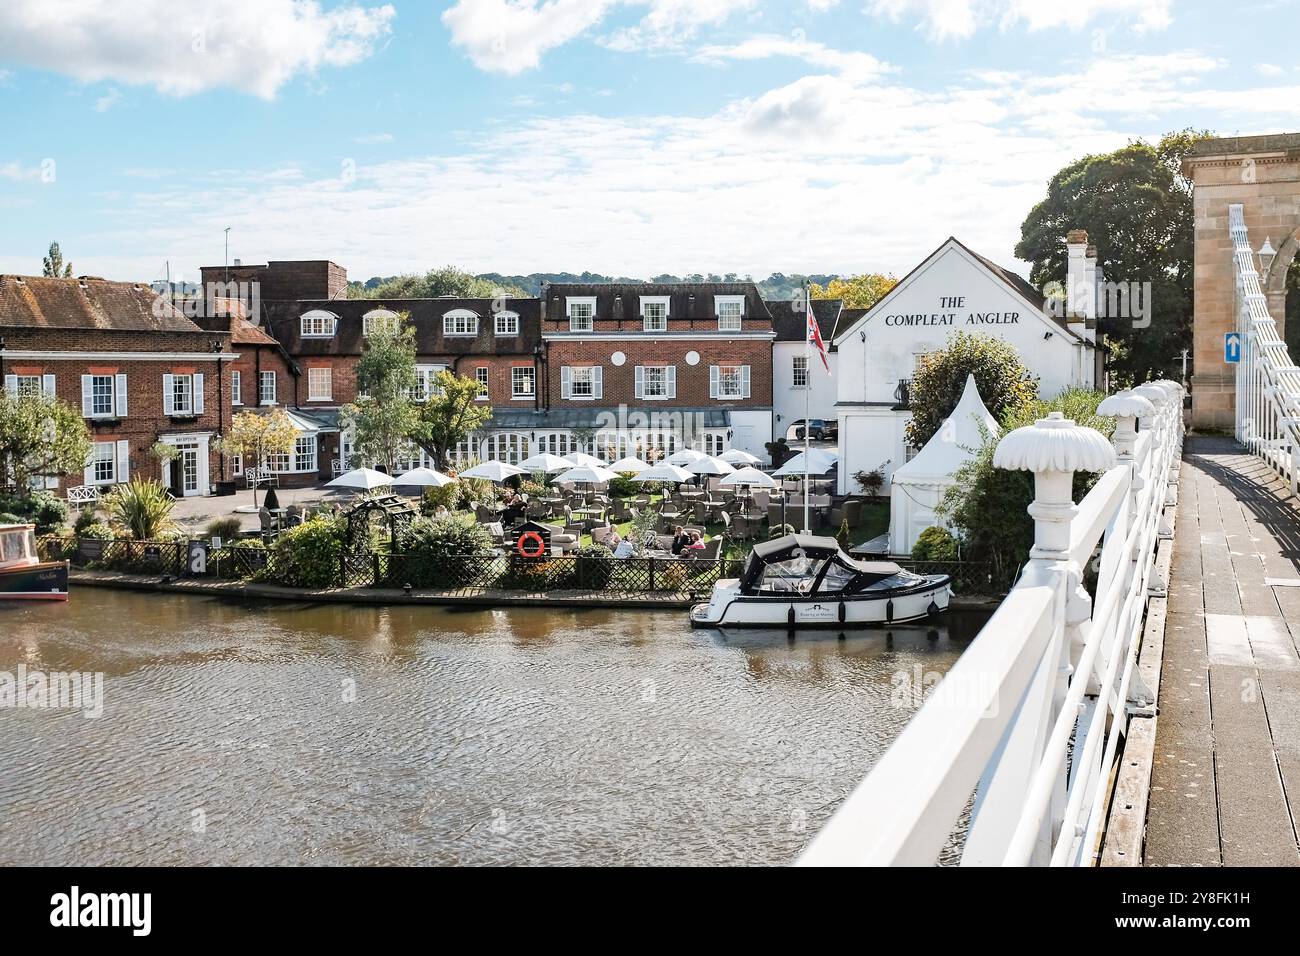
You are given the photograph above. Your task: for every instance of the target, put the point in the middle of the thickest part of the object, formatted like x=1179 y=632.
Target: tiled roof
x=687 y=300
x=789 y=323
x=87 y=303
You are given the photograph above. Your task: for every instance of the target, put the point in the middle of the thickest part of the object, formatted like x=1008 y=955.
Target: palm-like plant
x=142 y=507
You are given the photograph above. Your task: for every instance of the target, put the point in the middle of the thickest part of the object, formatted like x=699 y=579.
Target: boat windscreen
x=793 y=574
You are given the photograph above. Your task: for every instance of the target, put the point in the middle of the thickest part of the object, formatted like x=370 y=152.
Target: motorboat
x=800 y=581
x=23 y=575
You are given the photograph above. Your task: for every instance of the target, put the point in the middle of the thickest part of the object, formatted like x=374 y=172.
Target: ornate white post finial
x=1126 y=407
x=1053 y=448
x=1158 y=397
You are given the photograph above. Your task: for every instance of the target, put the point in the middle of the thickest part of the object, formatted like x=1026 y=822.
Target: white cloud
x=371 y=139
x=959 y=19
x=107 y=101
x=17 y=172
x=1270 y=69
x=853 y=64
x=180 y=47
x=512 y=36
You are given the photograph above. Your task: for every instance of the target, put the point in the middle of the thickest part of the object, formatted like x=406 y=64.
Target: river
x=263 y=733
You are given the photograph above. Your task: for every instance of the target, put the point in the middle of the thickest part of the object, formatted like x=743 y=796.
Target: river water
x=265 y=733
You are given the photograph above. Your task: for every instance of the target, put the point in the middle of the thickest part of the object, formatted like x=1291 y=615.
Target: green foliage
x=987 y=506
x=142 y=508
x=871 y=481
x=670 y=576
x=385 y=420
x=444 y=496
x=857 y=292
x=533 y=487
x=779 y=450
x=624 y=486
x=451 y=415
x=447 y=281
x=38 y=507
x=1004 y=383
x=842 y=536
x=436 y=549
x=97 y=531
x=8 y=517
x=935 y=544
x=40 y=437
x=85 y=518
x=596 y=567
x=227 y=529
x=1137 y=209
x=780 y=530
x=54 y=265
x=521 y=575
x=309 y=555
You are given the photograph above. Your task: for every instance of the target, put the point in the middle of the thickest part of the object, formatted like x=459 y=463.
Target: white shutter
x=88 y=478
x=11 y=384
x=744 y=381
x=47 y=385
x=123 y=460
x=672 y=381
x=119 y=395
x=715 y=377
x=639 y=390
x=566 y=382
x=87 y=404
x=598 y=382
x=198 y=393
x=169 y=395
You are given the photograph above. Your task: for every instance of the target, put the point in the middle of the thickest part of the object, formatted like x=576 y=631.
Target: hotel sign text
x=951 y=318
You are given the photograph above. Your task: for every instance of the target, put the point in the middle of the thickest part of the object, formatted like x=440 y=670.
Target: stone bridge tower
x=1263 y=174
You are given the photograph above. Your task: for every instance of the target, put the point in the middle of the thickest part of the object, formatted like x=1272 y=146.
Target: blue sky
x=622 y=136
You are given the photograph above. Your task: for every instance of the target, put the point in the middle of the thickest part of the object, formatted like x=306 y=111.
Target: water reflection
x=337 y=734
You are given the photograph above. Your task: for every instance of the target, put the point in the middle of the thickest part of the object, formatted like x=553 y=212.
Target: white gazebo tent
x=919 y=486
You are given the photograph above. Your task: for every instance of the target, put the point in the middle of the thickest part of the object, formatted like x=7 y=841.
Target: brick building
x=139 y=370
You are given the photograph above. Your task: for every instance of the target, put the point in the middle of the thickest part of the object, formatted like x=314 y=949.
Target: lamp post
x=1266 y=256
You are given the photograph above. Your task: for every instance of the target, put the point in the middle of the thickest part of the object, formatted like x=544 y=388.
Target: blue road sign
x=1232 y=347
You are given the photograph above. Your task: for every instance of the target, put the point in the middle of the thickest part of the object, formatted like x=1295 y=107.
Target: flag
x=815 y=336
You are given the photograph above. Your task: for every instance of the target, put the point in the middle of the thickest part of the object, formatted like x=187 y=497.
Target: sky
x=627 y=137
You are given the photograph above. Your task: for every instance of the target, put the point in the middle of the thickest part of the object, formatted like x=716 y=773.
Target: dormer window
x=318 y=324
x=654 y=313
x=582 y=313
x=507 y=323
x=731 y=312
x=379 y=320
x=460 y=322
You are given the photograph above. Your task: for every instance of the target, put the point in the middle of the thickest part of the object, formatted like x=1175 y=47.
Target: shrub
x=779 y=450
x=935 y=544
x=871 y=481
x=8 y=517
x=85 y=518
x=842 y=536
x=308 y=555
x=446 y=496
x=40 y=508
x=97 y=531
x=595 y=567
x=142 y=507
x=522 y=575
x=1005 y=384
x=444 y=552
x=625 y=486
x=670 y=576
x=781 y=530
x=227 y=529
x=532 y=487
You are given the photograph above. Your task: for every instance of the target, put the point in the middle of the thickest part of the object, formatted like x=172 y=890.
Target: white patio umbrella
x=360 y=479
x=665 y=472
x=579 y=459
x=492 y=471
x=629 y=465
x=819 y=463
x=738 y=457
x=586 y=474
x=684 y=457
x=423 y=478
x=748 y=478
x=547 y=463
x=709 y=466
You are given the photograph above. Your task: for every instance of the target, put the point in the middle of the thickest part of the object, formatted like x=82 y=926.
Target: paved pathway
x=1225 y=786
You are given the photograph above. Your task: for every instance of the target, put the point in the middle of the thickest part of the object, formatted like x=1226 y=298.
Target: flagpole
x=807 y=397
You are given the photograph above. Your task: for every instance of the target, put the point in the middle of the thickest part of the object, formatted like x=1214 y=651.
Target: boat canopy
x=17 y=545
x=811 y=564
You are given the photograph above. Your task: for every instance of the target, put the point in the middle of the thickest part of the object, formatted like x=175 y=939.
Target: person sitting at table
x=680 y=539
x=695 y=543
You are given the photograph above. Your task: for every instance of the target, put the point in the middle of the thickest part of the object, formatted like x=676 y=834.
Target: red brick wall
x=692 y=381
x=267 y=359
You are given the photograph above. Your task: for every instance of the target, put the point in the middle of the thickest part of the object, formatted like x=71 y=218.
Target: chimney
x=238 y=263
x=1080 y=283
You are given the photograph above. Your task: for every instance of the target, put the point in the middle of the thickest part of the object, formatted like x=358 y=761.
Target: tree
x=54 y=264
x=40 y=437
x=451 y=415
x=1137 y=209
x=1004 y=382
x=858 y=292
x=447 y=281
x=384 y=421
x=259 y=436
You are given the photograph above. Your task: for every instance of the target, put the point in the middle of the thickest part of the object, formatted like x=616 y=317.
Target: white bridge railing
x=1030 y=718
x=1268 y=382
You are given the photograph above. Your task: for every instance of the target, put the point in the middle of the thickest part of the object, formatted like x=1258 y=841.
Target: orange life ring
x=531 y=537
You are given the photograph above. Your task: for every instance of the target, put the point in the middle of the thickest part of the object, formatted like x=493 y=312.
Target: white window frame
x=187 y=407
x=262 y=379
x=236 y=387
x=518 y=376
x=799 y=370
x=461 y=323
x=368 y=321
x=304 y=455
x=720 y=377
x=318 y=324
x=98 y=457
x=315 y=393
x=655 y=300
x=507 y=323
x=583 y=301
x=482 y=375
x=425 y=388
x=110 y=396
x=591 y=376
x=724 y=320
x=666 y=389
